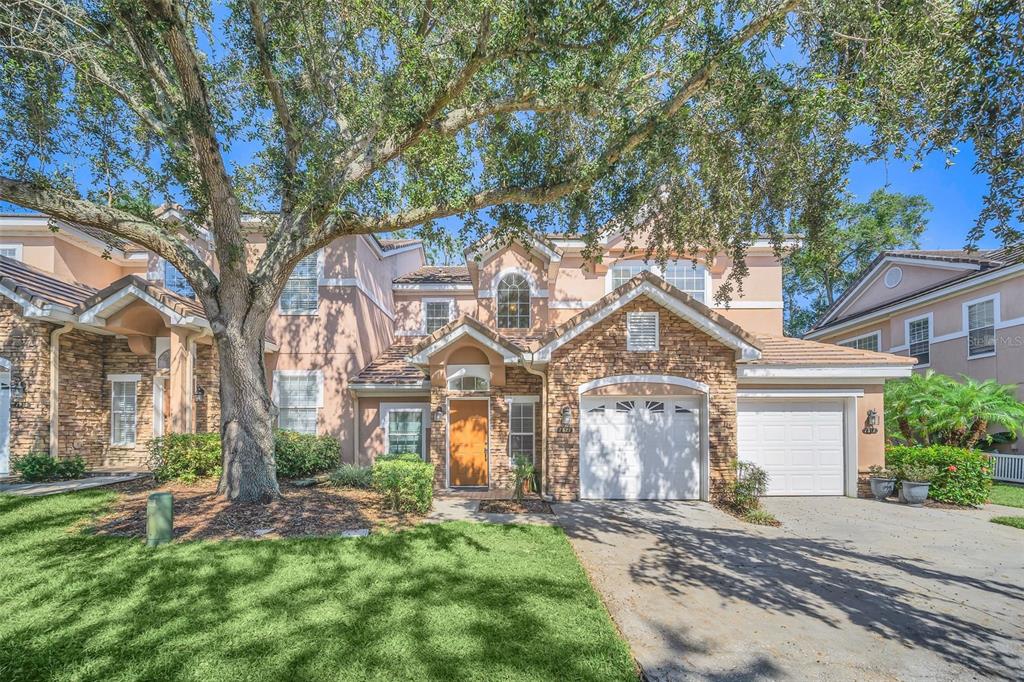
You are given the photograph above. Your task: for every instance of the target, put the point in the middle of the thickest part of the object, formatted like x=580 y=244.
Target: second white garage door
x=799 y=443
x=640 y=449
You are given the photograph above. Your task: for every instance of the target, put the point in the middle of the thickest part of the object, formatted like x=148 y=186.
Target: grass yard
x=1009 y=495
x=451 y=601
x=1014 y=521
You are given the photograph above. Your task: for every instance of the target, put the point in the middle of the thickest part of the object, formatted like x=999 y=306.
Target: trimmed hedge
x=185 y=457
x=302 y=454
x=352 y=476
x=39 y=466
x=964 y=478
x=406 y=482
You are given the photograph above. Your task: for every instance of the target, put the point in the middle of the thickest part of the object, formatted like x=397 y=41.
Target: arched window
x=513 y=302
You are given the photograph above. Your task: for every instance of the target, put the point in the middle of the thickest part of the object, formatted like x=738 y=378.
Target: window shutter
x=642 y=331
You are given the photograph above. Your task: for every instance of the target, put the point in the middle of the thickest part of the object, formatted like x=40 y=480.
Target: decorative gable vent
x=642 y=331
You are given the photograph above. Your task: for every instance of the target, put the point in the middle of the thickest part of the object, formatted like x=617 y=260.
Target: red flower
x=951 y=467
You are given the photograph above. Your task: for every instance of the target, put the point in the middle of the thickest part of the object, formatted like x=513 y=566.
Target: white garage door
x=799 y=443
x=640 y=449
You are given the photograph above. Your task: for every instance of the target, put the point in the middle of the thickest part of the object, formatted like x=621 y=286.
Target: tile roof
x=40 y=287
x=468 y=321
x=176 y=302
x=436 y=274
x=783 y=350
x=390 y=367
x=110 y=240
x=392 y=244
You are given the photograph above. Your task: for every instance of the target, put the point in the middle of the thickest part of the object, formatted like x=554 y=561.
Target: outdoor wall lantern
x=439 y=414
x=871 y=423
x=565 y=423
x=200 y=394
x=18 y=390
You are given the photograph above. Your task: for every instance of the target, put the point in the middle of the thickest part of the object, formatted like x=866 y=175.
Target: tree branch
x=119 y=223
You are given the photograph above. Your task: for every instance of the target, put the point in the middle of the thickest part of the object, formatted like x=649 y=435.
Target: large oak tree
x=709 y=122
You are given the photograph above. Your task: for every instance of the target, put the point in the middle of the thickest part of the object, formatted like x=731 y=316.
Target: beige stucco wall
x=371 y=430
x=70 y=262
x=915 y=278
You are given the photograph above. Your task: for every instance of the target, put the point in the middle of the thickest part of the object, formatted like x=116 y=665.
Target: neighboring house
x=619 y=379
x=955 y=312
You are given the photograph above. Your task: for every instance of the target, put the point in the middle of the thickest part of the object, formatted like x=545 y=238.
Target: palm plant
x=968 y=407
x=911 y=403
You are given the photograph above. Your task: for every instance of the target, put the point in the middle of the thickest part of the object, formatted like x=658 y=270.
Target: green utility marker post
x=159 y=519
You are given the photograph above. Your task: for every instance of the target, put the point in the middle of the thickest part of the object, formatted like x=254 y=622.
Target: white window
x=299 y=396
x=404 y=429
x=301 y=295
x=513 y=295
x=436 y=314
x=123 y=409
x=866 y=342
x=468 y=383
x=919 y=338
x=623 y=272
x=981 y=328
x=176 y=282
x=521 y=431
x=11 y=251
x=689 y=278
x=642 y=331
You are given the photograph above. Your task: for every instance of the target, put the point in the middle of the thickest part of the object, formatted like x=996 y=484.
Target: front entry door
x=467 y=438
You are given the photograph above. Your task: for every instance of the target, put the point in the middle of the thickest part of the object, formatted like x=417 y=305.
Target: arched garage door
x=798 y=442
x=644 y=448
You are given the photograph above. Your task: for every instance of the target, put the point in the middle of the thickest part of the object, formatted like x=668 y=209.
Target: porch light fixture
x=439 y=414
x=18 y=390
x=566 y=416
x=871 y=422
x=200 y=394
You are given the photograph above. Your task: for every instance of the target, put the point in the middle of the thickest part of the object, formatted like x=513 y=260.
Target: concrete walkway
x=845 y=590
x=55 y=487
x=458 y=508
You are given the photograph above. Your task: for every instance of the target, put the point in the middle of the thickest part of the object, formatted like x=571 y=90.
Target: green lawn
x=1009 y=495
x=1015 y=521
x=452 y=601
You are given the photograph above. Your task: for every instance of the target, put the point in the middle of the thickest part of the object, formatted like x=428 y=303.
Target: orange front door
x=467 y=439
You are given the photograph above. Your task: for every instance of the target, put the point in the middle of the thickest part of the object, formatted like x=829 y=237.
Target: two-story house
x=955 y=312
x=619 y=379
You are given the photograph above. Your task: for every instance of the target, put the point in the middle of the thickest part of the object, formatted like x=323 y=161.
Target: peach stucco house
x=618 y=378
x=955 y=312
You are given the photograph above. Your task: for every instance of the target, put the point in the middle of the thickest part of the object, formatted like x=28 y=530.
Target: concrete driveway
x=846 y=589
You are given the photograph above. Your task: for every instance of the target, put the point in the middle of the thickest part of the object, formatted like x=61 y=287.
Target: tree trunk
x=247 y=419
x=978 y=431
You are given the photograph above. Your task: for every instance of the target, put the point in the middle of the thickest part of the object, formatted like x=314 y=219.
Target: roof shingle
x=391 y=368
x=436 y=274
x=784 y=350
x=40 y=287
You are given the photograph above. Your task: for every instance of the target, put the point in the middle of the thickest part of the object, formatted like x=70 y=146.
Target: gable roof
x=530 y=240
x=465 y=326
x=972 y=263
x=136 y=287
x=676 y=300
x=39 y=288
x=436 y=274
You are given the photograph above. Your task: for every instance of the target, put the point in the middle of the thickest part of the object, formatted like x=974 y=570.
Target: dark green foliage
x=748 y=487
x=407 y=484
x=352 y=476
x=452 y=601
x=961 y=476
x=522 y=474
x=185 y=457
x=302 y=454
x=399 y=457
x=39 y=466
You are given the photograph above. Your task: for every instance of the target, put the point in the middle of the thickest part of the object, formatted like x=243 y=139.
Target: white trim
x=385 y=411
x=877 y=334
x=658 y=295
x=456 y=286
x=423 y=312
x=947 y=291
x=893 y=270
x=124 y=377
x=448 y=433
x=644 y=379
x=931 y=332
x=532 y=433
x=275 y=394
x=657 y=269
x=5 y=363
x=423 y=356
x=422 y=386
x=634 y=345
x=816 y=373
x=522 y=399
x=929 y=263
x=159 y=392
x=570 y=305
x=319 y=279
x=94 y=314
x=800 y=393
x=965 y=321
x=358 y=284
x=513 y=270
x=489 y=247
x=18 y=249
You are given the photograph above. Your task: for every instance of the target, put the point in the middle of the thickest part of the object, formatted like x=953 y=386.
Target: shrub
x=304 y=454
x=964 y=477
x=399 y=457
x=749 y=486
x=39 y=466
x=875 y=471
x=522 y=472
x=352 y=476
x=918 y=473
x=761 y=517
x=185 y=457
x=406 y=485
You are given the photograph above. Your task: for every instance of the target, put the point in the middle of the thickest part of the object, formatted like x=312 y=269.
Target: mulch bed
x=199 y=514
x=529 y=505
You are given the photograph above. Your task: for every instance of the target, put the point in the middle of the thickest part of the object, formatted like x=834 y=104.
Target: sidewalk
x=55 y=487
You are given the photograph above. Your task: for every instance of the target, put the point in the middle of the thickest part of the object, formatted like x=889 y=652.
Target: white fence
x=1008 y=468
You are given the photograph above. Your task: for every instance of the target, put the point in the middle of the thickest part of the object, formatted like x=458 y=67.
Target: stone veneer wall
x=83 y=416
x=601 y=351
x=518 y=382
x=119 y=359
x=26 y=344
x=207 y=373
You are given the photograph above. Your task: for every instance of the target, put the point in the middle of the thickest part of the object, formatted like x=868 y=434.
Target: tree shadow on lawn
x=821 y=579
x=436 y=602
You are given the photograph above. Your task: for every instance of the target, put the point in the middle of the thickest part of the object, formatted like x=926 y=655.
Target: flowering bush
x=964 y=476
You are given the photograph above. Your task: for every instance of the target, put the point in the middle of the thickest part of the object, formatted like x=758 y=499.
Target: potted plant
x=882 y=480
x=916 y=480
